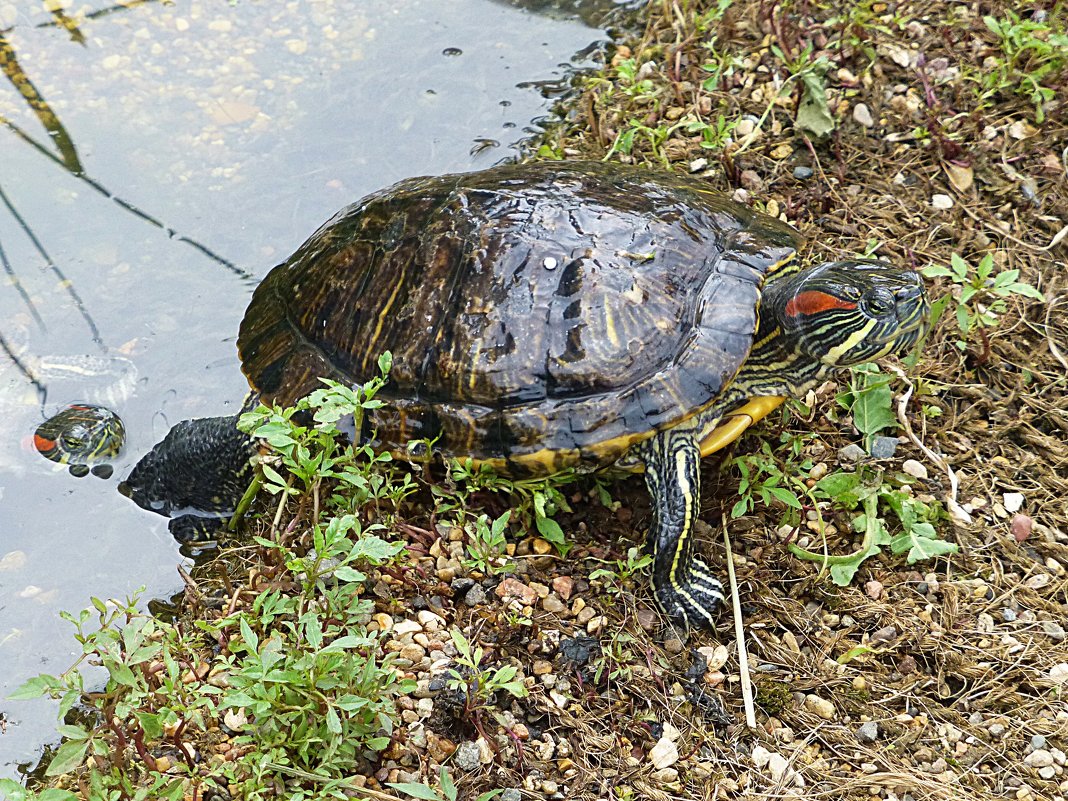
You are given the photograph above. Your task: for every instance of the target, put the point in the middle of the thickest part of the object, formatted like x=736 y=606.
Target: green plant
x=486 y=549
x=627 y=74
x=1034 y=55
x=813 y=114
x=624 y=570
x=713 y=137
x=317 y=453
x=869 y=400
x=447 y=790
x=145 y=696
x=534 y=500
x=980 y=297
x=917 y=537
x=477 y=684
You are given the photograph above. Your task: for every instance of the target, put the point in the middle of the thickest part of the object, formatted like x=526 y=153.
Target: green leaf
x=249 y=636
x=349 y=574
x=853 y=653
x=813 y=115
x=69 y=756
x=151 y=725
x=36 y=687
x=922 y=544
x=447 y=786
x=420 y=791
x=53 y=794
x=843 y=488
x=936 y=271
x=872 y=400
x=786 y=496
x=740 y=508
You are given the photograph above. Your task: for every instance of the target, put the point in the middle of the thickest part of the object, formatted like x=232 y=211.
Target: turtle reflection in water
x=555 y=315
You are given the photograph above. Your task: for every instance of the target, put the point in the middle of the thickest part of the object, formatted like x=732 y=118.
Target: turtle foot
x=691 y=597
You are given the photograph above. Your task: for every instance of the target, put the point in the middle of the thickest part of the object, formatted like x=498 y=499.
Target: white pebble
x=942 y=202
x=666 y=753
x=1013 y=501
x=914 y=468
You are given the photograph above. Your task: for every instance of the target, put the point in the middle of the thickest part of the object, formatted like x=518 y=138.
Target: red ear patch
x=814 y=302
x=43 y=444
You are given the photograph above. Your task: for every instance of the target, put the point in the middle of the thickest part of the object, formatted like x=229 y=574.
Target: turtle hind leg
x=683 y=585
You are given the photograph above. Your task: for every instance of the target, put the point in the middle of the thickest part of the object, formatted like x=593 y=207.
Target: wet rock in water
x=883 y=447
x=851 y=453
x=802 y=173
x=467 y=756
x=868 y=732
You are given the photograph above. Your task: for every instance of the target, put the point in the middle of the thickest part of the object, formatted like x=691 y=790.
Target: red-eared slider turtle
x=550 y=315
x=82 y=436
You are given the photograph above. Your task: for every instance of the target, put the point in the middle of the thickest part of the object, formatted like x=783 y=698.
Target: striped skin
x=83 y=436
x=683 y=585
x=812 y=321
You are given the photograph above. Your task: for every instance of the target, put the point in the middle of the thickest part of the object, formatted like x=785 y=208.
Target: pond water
x=156 y=160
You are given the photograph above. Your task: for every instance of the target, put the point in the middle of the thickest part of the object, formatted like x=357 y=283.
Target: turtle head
x=848 y=312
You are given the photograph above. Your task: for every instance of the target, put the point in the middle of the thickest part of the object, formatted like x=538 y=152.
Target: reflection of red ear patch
x=814 y=302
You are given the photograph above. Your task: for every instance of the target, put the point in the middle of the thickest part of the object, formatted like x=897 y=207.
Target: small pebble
x=862 y=114
x=819 y=706
x=666 y=753
x=673 y=646
x=466 y=756
x=751 y=180
x=475 y=596
x=868 y=732
x=1038 y=742
x=1020 y=527
x=1039 y=759
x=511 y=794
x=1053 y=630
x=996 y=729
x=851 y=453
x=1008 y=615
x=1013 y=501
x=802 y=173
x=874 y=590
x=914 y=469
x=941 y=202
x=884 y=447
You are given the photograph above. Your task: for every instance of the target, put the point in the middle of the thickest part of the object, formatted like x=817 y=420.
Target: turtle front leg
x=683 y=585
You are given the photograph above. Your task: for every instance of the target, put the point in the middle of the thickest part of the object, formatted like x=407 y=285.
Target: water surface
x=156 y=159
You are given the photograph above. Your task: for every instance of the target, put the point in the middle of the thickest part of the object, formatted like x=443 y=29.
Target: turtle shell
x=538 y=315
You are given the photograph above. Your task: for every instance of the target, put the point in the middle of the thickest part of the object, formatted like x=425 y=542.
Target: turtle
x=548 y=316
x=84 y=436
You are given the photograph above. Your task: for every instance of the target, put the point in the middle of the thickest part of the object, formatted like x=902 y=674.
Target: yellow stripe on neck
x=734 y=425
x=854 y=339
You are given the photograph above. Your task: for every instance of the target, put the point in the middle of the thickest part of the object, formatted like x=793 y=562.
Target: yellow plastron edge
x=734 y=424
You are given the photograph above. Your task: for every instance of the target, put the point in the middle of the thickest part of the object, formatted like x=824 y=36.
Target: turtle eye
x=879 y=301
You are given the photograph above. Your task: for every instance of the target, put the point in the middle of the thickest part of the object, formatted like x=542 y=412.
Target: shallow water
x=161 y=159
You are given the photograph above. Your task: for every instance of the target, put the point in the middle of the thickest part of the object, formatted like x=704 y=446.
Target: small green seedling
x=980 y=296
x=625 y=569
